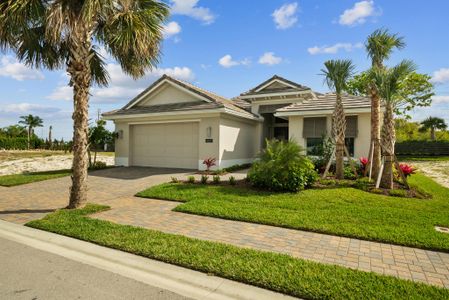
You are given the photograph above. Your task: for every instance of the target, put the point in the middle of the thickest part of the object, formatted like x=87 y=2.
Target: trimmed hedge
x=19 y=143
x=427 y=148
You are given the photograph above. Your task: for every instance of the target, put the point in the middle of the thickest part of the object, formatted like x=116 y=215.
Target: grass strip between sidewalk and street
x=277 y=272
x=24 y=178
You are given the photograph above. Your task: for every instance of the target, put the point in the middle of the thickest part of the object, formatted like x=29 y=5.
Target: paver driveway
x=116 y=187
x=24 y=203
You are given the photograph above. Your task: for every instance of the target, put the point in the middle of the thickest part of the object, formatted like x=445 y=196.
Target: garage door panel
x=165 y=145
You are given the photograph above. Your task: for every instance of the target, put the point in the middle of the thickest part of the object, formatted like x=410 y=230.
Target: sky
x=229 y=47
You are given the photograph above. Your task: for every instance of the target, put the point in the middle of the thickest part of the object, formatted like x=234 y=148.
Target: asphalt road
x=28 y=273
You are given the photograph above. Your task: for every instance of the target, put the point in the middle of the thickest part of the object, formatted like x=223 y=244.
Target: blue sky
x=231 y=46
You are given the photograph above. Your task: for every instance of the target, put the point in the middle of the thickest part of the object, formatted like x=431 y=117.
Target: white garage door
x=171 y=145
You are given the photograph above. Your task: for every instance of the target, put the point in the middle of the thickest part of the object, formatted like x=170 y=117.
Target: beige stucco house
x=175 y=124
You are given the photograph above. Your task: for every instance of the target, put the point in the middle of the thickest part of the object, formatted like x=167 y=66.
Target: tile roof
x=172 y=107
x=327 y=102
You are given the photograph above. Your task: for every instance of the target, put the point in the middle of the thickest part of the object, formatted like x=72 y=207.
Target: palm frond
x=337 y=73
x=100 y=75
x=380 y=45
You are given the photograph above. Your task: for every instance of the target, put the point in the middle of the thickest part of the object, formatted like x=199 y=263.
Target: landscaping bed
x=343 y=211
x=277 y=272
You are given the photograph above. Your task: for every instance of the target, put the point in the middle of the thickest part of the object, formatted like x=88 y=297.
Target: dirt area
x=16 y=162
x=437 y=170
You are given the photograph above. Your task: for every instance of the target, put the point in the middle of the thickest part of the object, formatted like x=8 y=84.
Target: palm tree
x=67 y=34
x=432 y=123
x=388 y=85
x=379 y=46
x=30 y=122
x=337 y=73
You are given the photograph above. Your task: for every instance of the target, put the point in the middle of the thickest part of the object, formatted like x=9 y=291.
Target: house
x=175 y=124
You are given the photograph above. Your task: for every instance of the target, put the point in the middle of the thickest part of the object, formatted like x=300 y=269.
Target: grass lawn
x=423 y=158
x=342 y=211
x=18 y=179
x=273 y=271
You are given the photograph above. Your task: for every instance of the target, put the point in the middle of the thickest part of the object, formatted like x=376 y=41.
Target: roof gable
x=276 y=84
x=168 y=93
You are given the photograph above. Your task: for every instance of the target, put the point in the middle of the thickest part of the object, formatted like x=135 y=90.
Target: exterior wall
x=363 y=140
x=295 y=129
x=168 y=94
x=122 y=144
x=208 y=149
x=239 y=141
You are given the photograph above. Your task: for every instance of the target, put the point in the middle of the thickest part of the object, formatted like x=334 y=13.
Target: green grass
x=341 y=211
x=423 y=158
x=18 y=179
x=273 y=271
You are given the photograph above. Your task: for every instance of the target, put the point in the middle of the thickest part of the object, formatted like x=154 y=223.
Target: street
x=28 y=273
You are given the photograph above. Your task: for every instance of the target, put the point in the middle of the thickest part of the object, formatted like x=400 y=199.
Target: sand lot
x=33 y=161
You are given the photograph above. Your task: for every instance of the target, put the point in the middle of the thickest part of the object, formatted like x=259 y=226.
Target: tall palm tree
x=66 y=34
x=337 y=73
x=388 y=85
x=379 y=46
x=432 y=123
x=31 y=122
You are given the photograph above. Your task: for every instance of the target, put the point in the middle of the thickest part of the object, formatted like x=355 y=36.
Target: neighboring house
x=177 y=125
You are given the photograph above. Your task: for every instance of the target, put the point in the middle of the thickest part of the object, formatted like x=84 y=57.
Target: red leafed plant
x=209 y=162
x=407 y=169
x=363 y=163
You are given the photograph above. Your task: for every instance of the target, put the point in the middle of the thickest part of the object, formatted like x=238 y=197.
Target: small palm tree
x=67 y=34
x=432 y=123
x=31 y=122
x=379 y=46
x=388 y=85
x=337 y=74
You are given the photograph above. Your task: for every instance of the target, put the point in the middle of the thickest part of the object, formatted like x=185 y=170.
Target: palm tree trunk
x=338 y=128
x=388 y=139
x=79 y=70
x=29 y=137
x=375 y=131
x=432 y=133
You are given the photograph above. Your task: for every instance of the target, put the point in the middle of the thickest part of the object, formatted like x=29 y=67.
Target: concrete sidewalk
x=181 y=281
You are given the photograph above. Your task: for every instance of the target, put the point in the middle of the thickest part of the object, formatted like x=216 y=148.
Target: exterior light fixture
x=209 y=132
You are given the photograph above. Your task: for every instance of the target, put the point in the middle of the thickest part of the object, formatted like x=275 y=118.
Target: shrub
x=282 y=167
x=98 y=165
x=191 y=179
x=204 y=179
x=209 y=162
x=174 y=180
x=328 y=182
x=216 y=179
x=363 y=183
x=232 y=180
x=376 y=191
x=348 y=173
x=237 y=168
x=363 y=163
x=397 y=193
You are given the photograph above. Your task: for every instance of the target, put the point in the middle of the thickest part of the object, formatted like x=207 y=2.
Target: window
x=349 y=142
x=314 y=146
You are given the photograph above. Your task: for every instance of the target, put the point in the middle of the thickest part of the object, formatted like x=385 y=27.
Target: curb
x=186 y=282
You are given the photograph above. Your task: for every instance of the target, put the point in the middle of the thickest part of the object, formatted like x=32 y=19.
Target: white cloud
x=171 y=29
x=441 y=76
x=227 y=61
x=358 y=13
x=13 y=111
x=268 y=58
x=334 y=48
x=440 y=100
x=190 y=8
x=286 y=16
x=121 y=86
x=10 y=67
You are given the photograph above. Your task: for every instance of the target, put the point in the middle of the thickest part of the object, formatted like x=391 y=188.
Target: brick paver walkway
x=115 y=188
